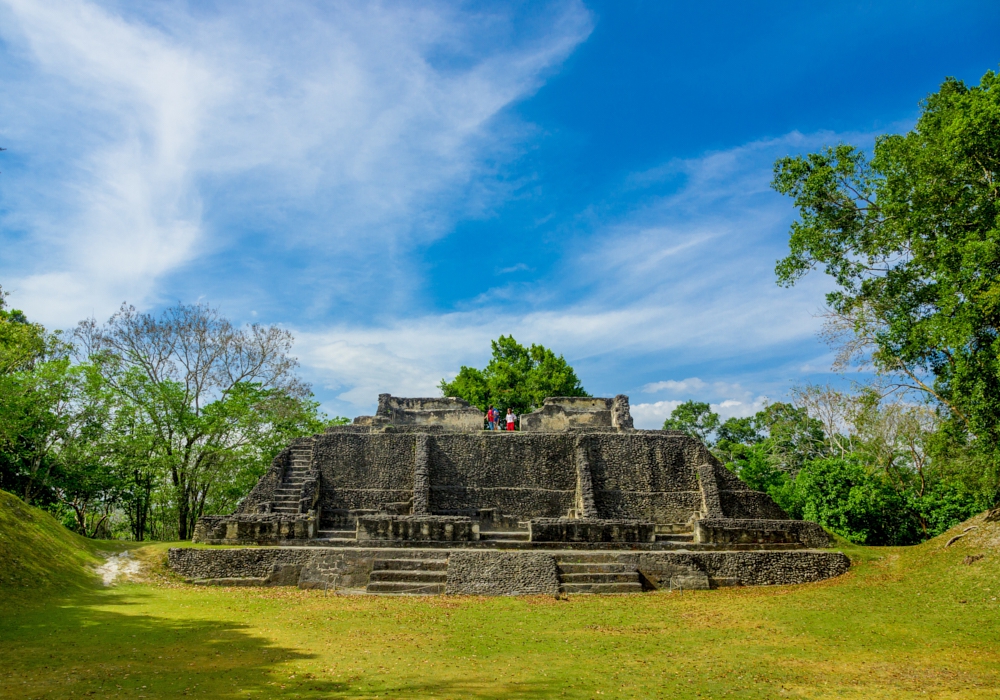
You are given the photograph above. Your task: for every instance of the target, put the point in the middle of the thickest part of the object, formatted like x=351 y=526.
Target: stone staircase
x=408 y=577
x=583 y=573
x=502 y=538
x=340 y=535
x=289 y=491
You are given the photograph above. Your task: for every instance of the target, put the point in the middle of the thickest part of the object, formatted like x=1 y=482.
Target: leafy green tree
x=516 y=377
x=215 y=397
x=21 y=343
x=911 y=237
x=793 y=436
x=745 y=431
x=755 y=466
x=853 y=501
x=695 y=418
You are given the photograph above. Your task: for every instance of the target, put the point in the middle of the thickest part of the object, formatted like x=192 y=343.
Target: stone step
x=352 y=533
x=592 y=568
x=410 y=565
x=675 y=537
x=412 y=576
x=620 y=577
x=405 y=588
x=602 y=588
x=585 y=557
x=515 y=536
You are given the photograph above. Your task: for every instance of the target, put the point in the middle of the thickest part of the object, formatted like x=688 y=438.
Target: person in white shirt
x=510 y=419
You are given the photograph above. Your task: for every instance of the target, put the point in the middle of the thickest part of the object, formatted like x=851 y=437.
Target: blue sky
x=398 y=183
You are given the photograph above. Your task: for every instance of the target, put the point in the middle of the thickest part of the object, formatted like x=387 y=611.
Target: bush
x=842 y=495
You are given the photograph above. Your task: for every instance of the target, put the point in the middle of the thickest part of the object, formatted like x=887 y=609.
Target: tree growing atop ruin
x=516 y=377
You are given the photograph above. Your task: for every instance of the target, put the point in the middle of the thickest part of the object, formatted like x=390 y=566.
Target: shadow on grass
x=95 y=643
x=72 y=643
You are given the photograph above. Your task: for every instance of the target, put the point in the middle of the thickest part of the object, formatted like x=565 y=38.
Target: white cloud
x=685 y=386
x=354 y=130
x=694 y=303
x=650 y=416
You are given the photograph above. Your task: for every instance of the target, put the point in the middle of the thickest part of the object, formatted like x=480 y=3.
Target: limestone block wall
x=502 y=573
x=559 y=414
x=737 y=500
x=514 y=473
x=493 y=572
x=645 y=475
x=364 y=471
x=654 y=476
x=448 y=412
x=757 y=531
x=565 y=413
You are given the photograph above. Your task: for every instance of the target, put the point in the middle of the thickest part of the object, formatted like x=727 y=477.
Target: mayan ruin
x=419 y=499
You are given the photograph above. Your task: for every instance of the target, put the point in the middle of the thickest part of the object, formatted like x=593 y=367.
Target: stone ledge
x=418 y=528
x=316 y=567
x=590 y=530
x=502 y=573
x=255 y=528
x=725 y=531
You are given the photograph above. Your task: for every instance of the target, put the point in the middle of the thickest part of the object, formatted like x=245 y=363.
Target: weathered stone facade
x=493 y=572
x=422 y=473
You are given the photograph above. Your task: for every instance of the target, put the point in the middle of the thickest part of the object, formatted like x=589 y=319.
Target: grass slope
x=903 y=623
x=38 y=554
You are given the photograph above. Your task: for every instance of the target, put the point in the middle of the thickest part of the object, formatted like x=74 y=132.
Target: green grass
x=905 y=622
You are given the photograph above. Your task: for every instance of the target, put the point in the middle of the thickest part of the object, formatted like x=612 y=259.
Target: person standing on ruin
x=491 y=419
x=510 y=419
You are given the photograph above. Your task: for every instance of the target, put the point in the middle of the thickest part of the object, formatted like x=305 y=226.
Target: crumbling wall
x=445 y=412
x=514 y=473
x=502 y=573
x=561 y=413
x=654 y=476
x=364 y=471
x=646 y=475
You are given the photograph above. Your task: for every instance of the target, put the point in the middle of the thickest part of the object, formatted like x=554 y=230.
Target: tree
x=911 y=237
x=516 y=377
x=694 y=418
x=205 y=388
x=21 y=343
x=856 y=503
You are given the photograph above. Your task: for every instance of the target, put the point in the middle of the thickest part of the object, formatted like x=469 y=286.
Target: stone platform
x=419 y=499
x=490 y=571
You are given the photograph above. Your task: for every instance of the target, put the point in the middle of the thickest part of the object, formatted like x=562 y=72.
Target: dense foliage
x=874 y=470
x=516 y=377
x=139 y=426
x=911 y=237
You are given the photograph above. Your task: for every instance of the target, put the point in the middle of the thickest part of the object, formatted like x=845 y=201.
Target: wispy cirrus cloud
x=199 y=131
x=683 y=282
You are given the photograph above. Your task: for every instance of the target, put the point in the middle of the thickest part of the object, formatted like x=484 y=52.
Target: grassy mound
x=37 y=553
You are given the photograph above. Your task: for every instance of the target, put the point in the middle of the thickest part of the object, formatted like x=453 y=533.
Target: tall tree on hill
x=208 y=393
x=39 y=411
x=516 y=377
x=912 y=238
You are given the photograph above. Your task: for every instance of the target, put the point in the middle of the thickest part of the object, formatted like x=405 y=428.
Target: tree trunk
x=183 y=507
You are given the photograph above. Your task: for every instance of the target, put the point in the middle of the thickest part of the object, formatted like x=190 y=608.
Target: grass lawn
x=903 y=623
